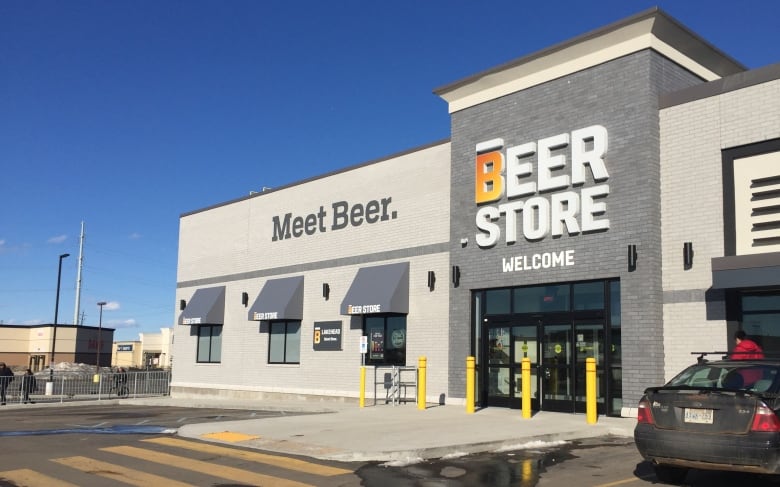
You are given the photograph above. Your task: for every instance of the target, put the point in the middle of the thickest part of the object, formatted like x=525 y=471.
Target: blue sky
x=124 y=115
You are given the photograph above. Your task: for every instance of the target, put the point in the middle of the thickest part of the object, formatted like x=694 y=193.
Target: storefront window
x=209 y=344
x=563 y=324
x=497 y=302
x=614 y=303
x=761 y=302
x=589 y=295
x=386 y=339
x=542 y=299
x=615 y=355
x=761 y=319
x=284 y=345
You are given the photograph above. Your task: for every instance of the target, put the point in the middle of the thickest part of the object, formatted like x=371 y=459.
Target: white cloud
x=130 y=323
x=135 y=236
x=57 y=239
x=111 y=306
x=2 y=242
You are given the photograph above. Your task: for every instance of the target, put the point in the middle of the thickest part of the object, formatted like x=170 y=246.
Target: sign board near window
x=327 y=335
x=377 y=348
x=124 y=348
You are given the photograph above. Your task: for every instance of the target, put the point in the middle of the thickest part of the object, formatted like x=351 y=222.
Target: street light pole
x=100 y=329
x=56 y=313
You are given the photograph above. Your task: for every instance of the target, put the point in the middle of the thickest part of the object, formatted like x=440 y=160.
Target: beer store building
x=613 y=197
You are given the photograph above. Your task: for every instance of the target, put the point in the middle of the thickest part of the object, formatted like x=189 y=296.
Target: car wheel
x=670 y=475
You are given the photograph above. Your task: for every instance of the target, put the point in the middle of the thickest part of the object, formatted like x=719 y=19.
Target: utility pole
x=78 y=277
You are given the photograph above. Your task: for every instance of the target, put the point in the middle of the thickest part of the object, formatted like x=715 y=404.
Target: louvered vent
x=765 y=211
x=757 y=203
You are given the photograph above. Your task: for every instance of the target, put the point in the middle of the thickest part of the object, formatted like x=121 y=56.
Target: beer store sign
x=327 y=335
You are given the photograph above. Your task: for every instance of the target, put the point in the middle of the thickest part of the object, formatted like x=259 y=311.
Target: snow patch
x=456 y=454
x=530 y=444
x=402 y=462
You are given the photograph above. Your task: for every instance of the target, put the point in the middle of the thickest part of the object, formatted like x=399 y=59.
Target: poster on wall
x=377 y=345
x=327 y=335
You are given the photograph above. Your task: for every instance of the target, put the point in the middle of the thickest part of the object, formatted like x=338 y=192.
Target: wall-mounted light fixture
x=431 y=280
x=455 y=276
x=182 y=304
x=631 y=258
x=687 y=255
x=325 y=290
x=245 y=299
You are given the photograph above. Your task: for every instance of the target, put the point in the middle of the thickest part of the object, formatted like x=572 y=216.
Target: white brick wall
x=238 y=237
x=223 y=242
x=692 y=137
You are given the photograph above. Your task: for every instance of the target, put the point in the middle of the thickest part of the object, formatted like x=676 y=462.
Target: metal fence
x=399 y=384
x=62 y=387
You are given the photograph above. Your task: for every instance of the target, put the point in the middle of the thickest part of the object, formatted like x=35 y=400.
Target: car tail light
x=644 y=414
x=765 y=419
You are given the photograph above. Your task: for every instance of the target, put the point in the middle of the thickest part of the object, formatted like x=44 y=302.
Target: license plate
x=702 y=416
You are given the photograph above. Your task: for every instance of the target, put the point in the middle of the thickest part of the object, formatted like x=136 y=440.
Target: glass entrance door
x=565 y=350
x=557 y=362
x=557 y=351
x=588 y=343
x=506 y=347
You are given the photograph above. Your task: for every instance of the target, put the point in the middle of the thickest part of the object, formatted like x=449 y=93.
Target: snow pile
x=68 y=369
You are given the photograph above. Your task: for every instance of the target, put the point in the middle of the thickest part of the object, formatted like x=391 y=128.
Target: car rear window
x=750 y=377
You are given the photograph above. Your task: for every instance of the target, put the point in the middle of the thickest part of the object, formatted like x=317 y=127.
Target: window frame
x=390 y=321
x=285 y=348
x=214 y=342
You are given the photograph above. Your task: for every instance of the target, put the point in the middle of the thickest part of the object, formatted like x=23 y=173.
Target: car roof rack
x=702 y=356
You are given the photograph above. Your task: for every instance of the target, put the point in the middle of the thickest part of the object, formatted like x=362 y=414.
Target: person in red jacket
x=746 y=348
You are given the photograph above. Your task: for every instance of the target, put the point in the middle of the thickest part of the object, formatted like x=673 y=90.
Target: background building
x=150 y=351
x=32 y=346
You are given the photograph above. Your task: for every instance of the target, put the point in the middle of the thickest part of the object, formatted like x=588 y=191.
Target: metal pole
x=100 y=329
x=590 y=390
x=525 y=378
x=421 y=382
x=470 y=399
x=78 y=278
x=56 y=312
x=363 y=386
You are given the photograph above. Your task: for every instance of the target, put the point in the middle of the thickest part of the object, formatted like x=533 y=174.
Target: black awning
x=280 y=299
x=742 y=271
x=378 y=289
x=207 y=306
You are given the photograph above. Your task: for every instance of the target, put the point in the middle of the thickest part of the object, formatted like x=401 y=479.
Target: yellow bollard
x=470 y=361
x=421 y=364
x=525 y=370
x=363 y=387
x=590 y=390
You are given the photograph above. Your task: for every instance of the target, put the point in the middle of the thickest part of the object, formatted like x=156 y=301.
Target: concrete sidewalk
x=403 y=433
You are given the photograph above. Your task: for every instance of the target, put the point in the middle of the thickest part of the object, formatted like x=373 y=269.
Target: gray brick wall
x=622 y=96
